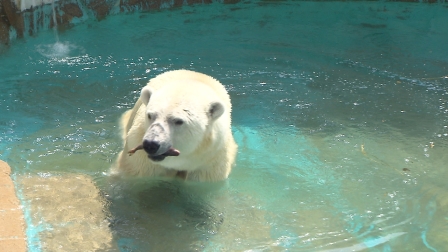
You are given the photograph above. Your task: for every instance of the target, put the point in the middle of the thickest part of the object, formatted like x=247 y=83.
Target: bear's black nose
x=151 y=147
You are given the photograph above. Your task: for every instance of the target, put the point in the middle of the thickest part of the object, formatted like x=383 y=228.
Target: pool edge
x=12 y=228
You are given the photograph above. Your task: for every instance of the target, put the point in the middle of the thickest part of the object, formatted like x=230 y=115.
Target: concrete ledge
x=69 y=213
x=12 y=223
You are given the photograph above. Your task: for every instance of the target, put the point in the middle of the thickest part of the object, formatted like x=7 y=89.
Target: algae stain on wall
x=21 y=18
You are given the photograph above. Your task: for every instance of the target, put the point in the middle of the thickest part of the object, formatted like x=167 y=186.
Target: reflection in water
x=173 y=218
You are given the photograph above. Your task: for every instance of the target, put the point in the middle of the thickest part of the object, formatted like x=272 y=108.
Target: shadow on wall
x=20 y=18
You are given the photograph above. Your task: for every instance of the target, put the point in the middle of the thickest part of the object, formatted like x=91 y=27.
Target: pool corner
x=12 y=228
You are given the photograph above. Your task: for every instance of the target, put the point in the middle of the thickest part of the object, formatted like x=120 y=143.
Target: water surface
x=339 y=109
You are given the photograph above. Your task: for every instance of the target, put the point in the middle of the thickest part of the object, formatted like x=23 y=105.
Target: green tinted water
x=339 y=109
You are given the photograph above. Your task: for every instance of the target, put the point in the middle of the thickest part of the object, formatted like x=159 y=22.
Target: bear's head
x=179 y=120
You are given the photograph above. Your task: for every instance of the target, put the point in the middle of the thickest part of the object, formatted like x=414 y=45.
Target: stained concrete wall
x=21 y=18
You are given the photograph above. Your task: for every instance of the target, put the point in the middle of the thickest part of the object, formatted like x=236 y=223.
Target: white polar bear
x=182 y=121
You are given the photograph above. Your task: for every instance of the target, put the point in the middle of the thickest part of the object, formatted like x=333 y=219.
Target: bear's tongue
x=171 y=152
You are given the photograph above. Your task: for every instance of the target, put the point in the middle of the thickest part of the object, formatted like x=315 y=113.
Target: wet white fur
x=205 y=141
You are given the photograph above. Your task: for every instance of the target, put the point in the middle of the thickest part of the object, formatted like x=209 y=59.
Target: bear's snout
x=155 y=151
x=151 y=147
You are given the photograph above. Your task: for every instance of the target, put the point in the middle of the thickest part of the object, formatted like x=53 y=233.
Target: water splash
x=58 y=49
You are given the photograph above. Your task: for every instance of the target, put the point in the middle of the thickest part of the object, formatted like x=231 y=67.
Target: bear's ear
x=146 y=94
x=216 y=110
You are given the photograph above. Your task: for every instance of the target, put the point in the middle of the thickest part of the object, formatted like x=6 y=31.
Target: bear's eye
x=178 y=122
x=151 y=116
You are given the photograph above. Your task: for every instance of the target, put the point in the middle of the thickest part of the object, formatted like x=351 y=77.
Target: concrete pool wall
x=21 y=18
x=12 y=228
x=63 y=212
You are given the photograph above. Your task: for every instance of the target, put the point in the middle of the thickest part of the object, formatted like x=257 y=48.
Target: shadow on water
x=165 y=215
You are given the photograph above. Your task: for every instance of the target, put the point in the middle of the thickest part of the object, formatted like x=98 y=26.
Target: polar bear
x=179 y=127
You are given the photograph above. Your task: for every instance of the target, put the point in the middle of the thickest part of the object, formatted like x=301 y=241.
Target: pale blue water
x=339 y=109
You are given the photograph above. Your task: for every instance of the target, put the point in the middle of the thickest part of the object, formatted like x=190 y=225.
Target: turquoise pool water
x=339 y=109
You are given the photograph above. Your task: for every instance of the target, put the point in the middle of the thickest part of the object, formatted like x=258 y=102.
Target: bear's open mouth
x=170 y=152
